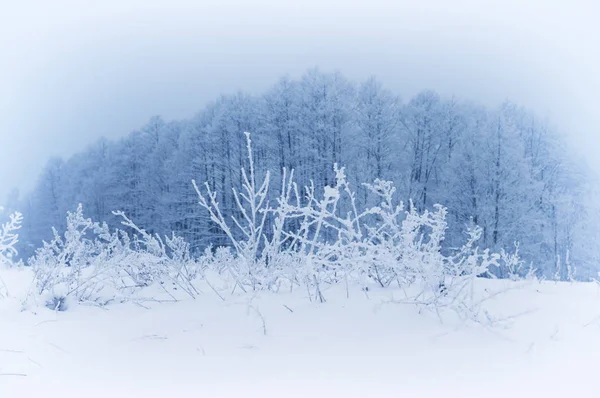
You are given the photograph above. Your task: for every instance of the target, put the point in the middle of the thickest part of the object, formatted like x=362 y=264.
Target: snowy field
x=271 y=345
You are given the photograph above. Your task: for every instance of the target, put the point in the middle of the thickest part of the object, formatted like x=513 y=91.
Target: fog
x=72 y=71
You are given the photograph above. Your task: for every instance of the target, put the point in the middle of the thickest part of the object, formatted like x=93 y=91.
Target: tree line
x=500 y=168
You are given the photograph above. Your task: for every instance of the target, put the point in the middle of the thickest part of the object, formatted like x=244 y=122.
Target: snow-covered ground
x=283 y=345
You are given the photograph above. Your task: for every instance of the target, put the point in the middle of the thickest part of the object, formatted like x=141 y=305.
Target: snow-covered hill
x=283 y=345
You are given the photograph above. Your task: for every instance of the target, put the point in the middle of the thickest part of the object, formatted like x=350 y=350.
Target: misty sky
x=72 y=71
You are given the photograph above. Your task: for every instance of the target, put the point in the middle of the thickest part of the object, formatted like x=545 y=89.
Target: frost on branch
x=253 y=206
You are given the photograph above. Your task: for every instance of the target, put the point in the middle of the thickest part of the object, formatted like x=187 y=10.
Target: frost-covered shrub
x=8 y=241
x=91 y=263
x=68 y=265
x=9 y=238
x=332 y=241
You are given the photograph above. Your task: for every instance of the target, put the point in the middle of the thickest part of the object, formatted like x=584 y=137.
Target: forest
x=502 y=169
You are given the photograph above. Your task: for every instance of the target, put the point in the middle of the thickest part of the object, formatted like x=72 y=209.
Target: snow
x=351 y=347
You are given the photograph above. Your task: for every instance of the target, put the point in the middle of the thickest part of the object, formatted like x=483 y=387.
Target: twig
x=12 y=351
x=169 y=293
x=264 y=324
x=214 y=290
x=141 y=305
x=288 y=308
x=43 y=322
x=34 y=362
x=596 y=319
x=57 y=347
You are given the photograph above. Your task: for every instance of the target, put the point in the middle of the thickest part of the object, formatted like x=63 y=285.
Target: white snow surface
x=347 y=347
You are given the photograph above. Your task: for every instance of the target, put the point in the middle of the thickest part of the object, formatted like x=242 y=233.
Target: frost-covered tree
x=378 y=136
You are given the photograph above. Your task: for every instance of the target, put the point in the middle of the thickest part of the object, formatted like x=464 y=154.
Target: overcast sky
x=72 y=71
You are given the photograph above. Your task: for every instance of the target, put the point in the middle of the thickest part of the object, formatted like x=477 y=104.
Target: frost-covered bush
x=9 y=238
x=92 y=264
x=8 y=241
x=315 y=240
